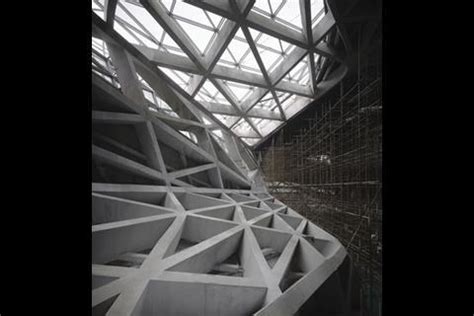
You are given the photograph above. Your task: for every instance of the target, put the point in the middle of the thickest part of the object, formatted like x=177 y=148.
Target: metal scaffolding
x=332 y=172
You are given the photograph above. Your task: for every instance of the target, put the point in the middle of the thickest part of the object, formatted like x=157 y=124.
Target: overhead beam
x=109 y=11
x=116 y=118
x=305 y=12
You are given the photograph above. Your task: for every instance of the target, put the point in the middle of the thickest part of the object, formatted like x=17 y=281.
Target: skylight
x=259 y=79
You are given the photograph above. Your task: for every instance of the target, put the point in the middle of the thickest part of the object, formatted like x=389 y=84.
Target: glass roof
x=256 y=83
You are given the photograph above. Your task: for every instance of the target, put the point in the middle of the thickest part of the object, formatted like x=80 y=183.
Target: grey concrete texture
x=183 y=226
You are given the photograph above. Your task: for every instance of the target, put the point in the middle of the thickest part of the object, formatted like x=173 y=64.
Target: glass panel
x=316 y=7
x=238 y=47
x=179 y=77
x=272 y=51
x=270 y=59
x=267 y=102
x=265 y=126
x=191 y=12
x=300 y=73
x=144 y=18
x=294 y=104
x=100 y=46
x=268 y=42
x=226 y=56
x=240 y=91
x=216 y=20
x=98 y=7
x=242 y=128
x=239 y=56
x=262 y=5
x=119 y=12
x=125 y=34
x=275 y=5
x=317 y=11
x=209 y=93
x=168 y=41
x=287 y=14
x=199 y=36
x=290 y=13
x=167 y=4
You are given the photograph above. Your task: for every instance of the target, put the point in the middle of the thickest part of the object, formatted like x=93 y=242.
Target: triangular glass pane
x=126 y=34
x=239 y=46
x=145 y=18
x=255 y=34
x=209 y=93
x=98 y=7
x=265 y=126
x=290 y=13
x=95 y=6
x=239 y=56
x=143 y=29
x=169 y=43
x=179 y=77
x=283 y=96
x=270 y=51
x=249 y=63
x=120 y=13
x=241 y=91
x=273 y=51
x=167 y=4
x=268 y=42
x=243 y=128
x=226 y=56
x=275 y=5
x=267 y=102
x=216 y=20
x=294 y=104
x=270 y=59
x=300 y=73
x=200 y=37
x=190 y=12
x=317 y=11
x=262 y=5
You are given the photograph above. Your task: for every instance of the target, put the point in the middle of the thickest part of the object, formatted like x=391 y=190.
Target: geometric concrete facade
x=181 y=222
x=161 y=245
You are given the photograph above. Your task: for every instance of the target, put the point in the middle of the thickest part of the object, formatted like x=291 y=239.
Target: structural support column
x=127 y=74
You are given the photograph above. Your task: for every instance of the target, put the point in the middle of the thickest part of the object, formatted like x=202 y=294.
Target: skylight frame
x=239 y=105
